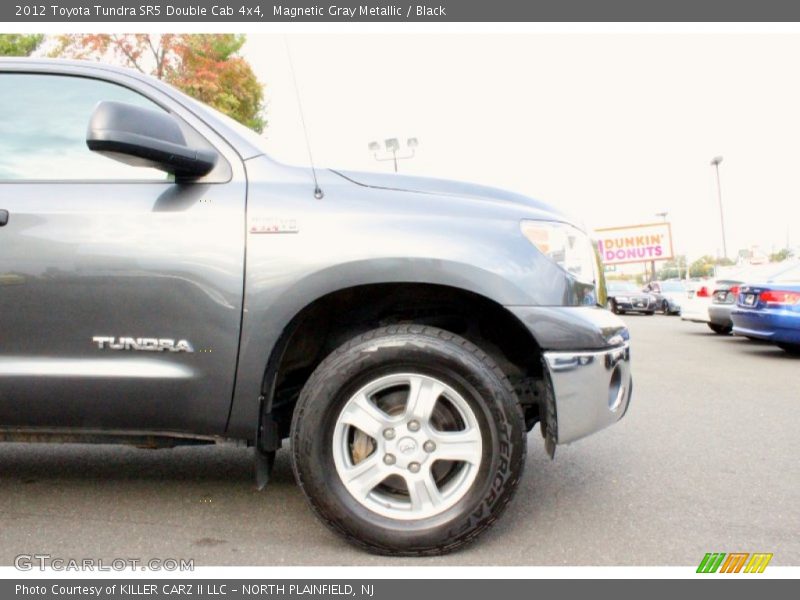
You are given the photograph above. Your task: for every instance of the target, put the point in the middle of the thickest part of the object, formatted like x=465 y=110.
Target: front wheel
x=612 y=306
x=408 y=440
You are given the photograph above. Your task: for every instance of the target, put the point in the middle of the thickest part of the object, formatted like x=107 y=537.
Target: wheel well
x=331 y=320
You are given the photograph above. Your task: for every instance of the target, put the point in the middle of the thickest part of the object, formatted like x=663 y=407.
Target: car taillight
x=734 y=290
x=703 y=292
x=782 y=298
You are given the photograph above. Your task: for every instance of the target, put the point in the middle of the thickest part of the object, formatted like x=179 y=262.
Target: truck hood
x=444 y=187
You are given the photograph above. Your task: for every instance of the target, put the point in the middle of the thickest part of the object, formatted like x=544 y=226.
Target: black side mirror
x=145 y=138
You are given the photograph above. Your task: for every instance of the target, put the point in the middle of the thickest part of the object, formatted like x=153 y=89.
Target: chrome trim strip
x=104 y=368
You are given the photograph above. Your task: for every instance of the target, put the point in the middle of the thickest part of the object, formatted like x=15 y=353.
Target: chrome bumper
x=592 y=389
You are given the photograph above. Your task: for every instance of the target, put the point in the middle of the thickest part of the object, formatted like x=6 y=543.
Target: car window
x=43 y=121
x=672 y=286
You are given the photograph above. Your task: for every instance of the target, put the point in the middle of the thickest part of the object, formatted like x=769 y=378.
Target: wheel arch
x=277 y=294
x=329 y=320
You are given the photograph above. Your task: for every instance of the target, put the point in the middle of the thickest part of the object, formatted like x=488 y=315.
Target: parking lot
x=705 y=460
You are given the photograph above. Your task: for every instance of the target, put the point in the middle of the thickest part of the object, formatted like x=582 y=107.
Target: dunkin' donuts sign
x=636 y=243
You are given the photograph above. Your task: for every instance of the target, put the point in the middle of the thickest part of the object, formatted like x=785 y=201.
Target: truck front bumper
x=592 y=389
x=587 y=356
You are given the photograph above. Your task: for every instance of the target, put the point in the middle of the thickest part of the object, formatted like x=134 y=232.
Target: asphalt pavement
x=705 y=461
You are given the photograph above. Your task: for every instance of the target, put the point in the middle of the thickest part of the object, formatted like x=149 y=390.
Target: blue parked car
x=771 y=310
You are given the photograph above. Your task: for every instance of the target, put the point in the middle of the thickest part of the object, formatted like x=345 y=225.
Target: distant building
x=752 y=256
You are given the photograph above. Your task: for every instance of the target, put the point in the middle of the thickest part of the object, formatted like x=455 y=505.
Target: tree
x=213 y=73
x=19 y=44
x=205 y=66
x=702 y=267
x=780 y=255
x=705 y=265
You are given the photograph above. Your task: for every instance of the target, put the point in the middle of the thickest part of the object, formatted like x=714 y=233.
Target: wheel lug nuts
x=413 y=425
x=389 y=459
x=429 y=446
x=413 y=467
x=388 y=433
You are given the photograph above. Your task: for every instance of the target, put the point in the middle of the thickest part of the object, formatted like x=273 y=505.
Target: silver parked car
x=669 y=294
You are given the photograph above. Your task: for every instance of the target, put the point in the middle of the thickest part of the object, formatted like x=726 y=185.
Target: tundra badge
x=143 y=344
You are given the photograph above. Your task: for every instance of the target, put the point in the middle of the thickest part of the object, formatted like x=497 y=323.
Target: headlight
x=623 y=299
x=568 y=247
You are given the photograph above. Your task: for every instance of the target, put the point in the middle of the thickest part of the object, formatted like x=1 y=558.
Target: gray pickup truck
x=164 y=282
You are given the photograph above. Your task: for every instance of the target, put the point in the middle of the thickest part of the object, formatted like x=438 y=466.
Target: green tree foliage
x=780 y=255
x=19 y=44
x=704 y=266
x=205 y=66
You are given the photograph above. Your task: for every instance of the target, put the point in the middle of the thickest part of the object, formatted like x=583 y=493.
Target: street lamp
x=663 y=216
x=715 y=163
x=392 y=150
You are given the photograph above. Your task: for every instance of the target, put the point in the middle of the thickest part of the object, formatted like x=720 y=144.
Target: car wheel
x=408 y=440
x=612 y=306
x=720 y=329
x=650 y=313
x=793 y=349
x=665 y=307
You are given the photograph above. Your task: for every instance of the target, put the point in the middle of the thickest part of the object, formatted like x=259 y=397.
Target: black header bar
x=258 y=11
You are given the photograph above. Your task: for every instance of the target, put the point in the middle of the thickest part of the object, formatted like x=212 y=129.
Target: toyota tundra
x=163 y=281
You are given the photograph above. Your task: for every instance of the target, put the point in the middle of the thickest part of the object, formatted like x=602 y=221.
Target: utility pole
x=715 y=163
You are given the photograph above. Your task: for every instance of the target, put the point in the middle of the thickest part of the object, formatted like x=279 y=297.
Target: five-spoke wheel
x=408 y=440
x=407 y=446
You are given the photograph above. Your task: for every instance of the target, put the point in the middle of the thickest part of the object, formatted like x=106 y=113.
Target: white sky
x=612 y=127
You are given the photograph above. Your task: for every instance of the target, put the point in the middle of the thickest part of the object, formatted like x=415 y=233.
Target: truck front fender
x=272 y=303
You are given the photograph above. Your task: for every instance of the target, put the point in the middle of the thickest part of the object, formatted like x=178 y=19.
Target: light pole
x=663 y=216
x=715 y=163
x=392 y=149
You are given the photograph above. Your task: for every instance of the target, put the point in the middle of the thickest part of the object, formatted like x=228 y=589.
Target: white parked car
x=698 y=299
x=700 y=296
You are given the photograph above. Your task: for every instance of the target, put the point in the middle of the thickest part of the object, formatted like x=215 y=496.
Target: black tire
x=720 y=329
x=650 y=313
x=793 y=349
x=435 y=353
x=611 y=305
x=665 y=307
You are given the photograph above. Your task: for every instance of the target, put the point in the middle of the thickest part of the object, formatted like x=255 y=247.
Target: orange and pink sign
x=635 y=243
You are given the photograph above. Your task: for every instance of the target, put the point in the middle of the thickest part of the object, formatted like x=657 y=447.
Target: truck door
x=120 y=290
